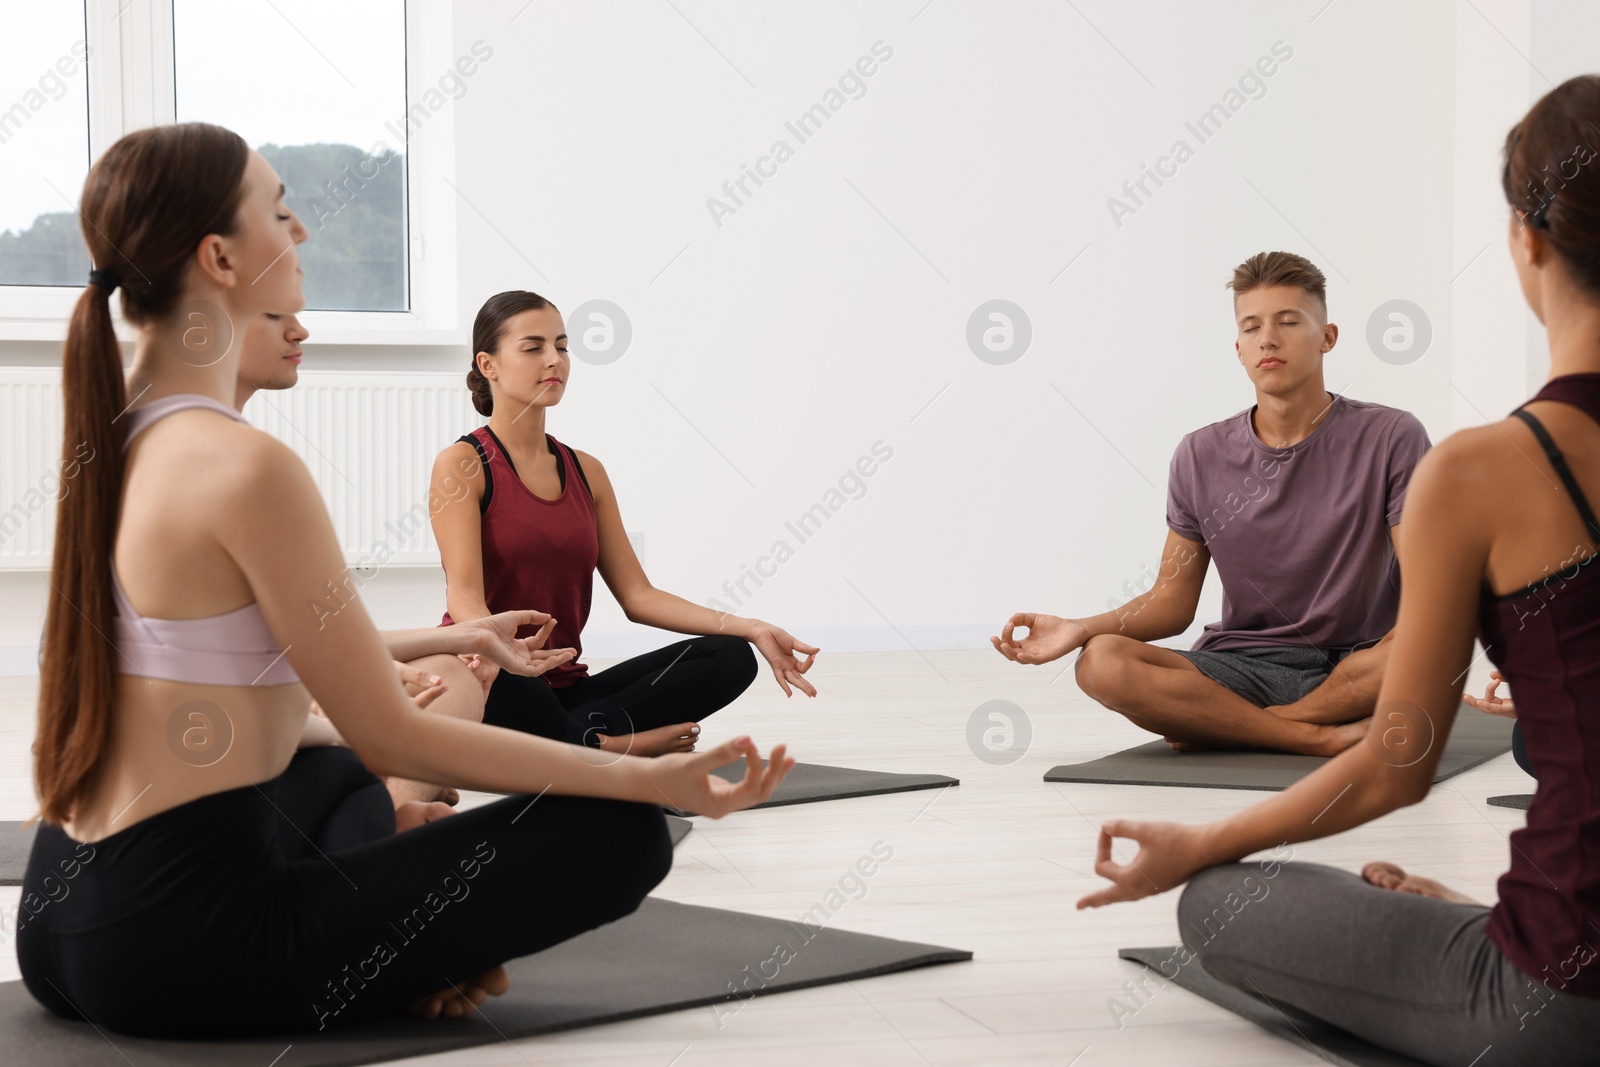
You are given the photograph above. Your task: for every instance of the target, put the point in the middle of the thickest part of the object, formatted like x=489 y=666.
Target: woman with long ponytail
x=184 y=644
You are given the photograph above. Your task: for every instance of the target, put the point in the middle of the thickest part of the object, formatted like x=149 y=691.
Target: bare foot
x=1388 y=876
x=1335 y=739
x=657 y=742
x=406 y=790
x=414 y=813
x=1307 y=711
x=1327 y=740
x=462 y=998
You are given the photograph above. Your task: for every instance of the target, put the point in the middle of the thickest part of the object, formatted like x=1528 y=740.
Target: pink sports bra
x=234 y=648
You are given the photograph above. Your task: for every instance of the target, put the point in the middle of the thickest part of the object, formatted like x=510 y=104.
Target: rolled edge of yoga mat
x=1520 y=801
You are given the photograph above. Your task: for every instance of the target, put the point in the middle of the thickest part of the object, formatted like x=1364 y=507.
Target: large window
x=320 y=90
x=44 y=143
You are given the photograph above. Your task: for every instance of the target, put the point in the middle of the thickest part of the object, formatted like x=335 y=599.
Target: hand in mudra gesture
x=500 y=647
x=779 y=648
x=685 y=781
x=1049 y=637
x=1491 y=702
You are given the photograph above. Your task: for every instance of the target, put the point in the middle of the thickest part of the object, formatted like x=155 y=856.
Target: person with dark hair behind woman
x=180 y=660
x=1396 y=959
x=538 y=518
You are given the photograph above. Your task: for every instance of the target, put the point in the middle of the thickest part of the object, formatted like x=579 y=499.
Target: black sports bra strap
x=483 y=465
x=579 y=468
x=1559 y=462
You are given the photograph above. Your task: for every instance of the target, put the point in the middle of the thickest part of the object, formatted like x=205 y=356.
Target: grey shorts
x=1272 y=674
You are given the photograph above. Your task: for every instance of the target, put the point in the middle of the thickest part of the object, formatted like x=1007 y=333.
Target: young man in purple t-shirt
x=1297 y=499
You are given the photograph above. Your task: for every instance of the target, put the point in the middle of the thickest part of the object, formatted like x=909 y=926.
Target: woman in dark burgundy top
x=537 y=520
x=1499 y=535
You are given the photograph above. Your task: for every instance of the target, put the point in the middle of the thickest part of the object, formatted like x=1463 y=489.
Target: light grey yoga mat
x=810 y=782
x=16 y=841
x=1331 y=1043
x=1520 y=801
x=1475 y=738
x=663 y=957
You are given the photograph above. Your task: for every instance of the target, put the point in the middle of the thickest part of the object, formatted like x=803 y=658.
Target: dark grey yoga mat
x=663 y=957
x=1475 y=738
x=1520 y=801
x=16 y=841
x=810 y=782
x=1331 y=1043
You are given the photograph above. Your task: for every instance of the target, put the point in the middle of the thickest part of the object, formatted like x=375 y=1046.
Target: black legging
x=683 y=682
x=247 y=916
x=1519 y=750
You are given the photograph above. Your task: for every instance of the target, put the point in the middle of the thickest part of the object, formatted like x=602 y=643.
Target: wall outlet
x=636 y=539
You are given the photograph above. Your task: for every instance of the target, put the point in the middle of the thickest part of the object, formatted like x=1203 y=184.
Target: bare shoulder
x=205 y=447
x=1470 y=466
x=458 y=458
x=593 y=469
x=260 y=469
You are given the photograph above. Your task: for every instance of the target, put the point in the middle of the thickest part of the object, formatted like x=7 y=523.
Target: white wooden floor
x=993 y=866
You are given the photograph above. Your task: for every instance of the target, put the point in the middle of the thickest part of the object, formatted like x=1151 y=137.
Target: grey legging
x=1406 y=972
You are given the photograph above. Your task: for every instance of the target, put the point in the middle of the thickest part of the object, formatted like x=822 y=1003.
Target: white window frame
x=131 y=85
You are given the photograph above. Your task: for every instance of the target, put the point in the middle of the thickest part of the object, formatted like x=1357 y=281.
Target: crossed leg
x=463 y=699
x=1348 y=693
x=1158 y=690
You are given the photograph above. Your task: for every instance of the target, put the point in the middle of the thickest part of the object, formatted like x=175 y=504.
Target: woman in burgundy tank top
x=535 y=521
x=1499 y=536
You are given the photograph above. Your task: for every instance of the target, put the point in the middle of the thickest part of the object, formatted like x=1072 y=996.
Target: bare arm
x=455 y=491
x=1443 y=560
x=404 y=645
x=276 y=529
x=1165 y=609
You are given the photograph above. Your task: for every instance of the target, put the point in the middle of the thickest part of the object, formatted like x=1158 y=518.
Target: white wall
x=771 y=352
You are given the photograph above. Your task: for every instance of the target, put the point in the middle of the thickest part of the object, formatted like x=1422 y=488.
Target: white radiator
x=369 y=440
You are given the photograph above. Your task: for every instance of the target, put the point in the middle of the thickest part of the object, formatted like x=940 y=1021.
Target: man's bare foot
x=1388 y=876
x=657 y=742
x=455 y=1001
x=414 y=813
x=1305 y=711
x=1326 y=741
x=1335 y=739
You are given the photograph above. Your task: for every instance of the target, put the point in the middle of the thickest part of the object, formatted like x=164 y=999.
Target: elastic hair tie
x=105 y=279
